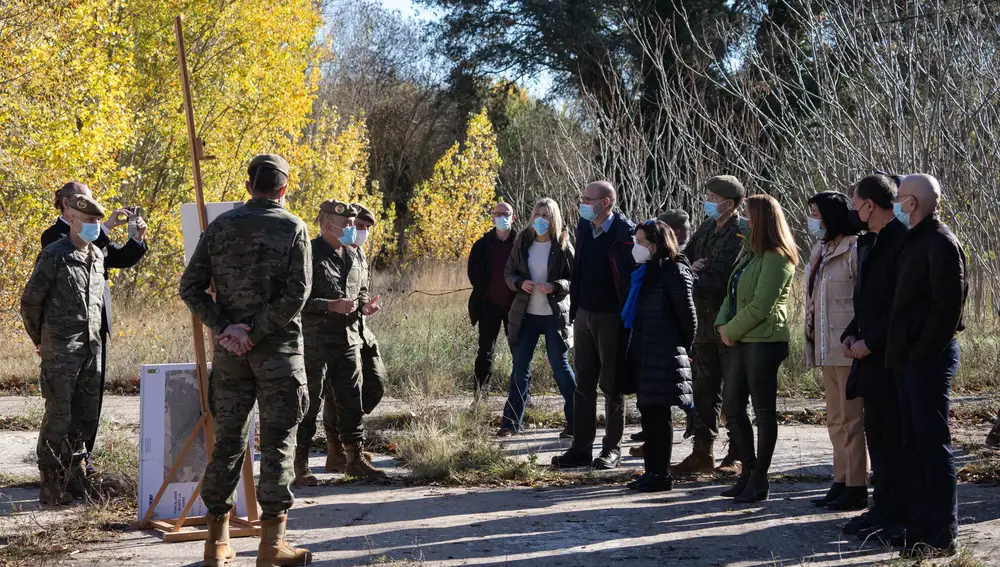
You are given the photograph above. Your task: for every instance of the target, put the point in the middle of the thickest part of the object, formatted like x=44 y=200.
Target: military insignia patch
x=339 y=209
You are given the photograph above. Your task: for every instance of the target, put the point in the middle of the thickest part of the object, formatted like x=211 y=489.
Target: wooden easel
x=186 y=528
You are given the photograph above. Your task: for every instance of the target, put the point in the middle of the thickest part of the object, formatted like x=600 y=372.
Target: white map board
x=168 y=411
x=191 y=228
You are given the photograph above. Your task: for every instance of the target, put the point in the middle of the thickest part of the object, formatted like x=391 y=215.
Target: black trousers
x=884 y=434
x=659 y=438
x=752 y=374
x=492 y=319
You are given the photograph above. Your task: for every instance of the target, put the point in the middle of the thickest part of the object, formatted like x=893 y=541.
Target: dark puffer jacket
x=663 y=335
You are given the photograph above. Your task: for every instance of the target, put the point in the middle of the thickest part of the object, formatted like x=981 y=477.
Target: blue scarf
x=628 y=314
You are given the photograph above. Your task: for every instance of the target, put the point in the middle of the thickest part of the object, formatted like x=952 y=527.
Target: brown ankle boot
x=701 y=460
x=730 y=465
x=358 y=463
x=303 y=476
x=274 y=550
x=336 y=461
x=218 y=552
x=53 y=487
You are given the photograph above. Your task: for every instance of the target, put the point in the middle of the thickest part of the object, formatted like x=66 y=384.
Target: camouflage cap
x=364 y=214
x=268 y=161
x=675 y=218
x=338 y=208
x=86 y=205
x=727 y=187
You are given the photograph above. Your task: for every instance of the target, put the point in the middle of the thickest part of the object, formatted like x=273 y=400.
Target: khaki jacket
x=832 y=301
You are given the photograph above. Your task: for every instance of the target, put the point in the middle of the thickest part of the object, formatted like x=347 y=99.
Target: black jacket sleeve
x=946 y=301
x=124 y=256
x=681 y=292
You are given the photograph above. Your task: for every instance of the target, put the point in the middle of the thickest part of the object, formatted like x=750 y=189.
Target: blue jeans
x=532 y=327
x=925 y=404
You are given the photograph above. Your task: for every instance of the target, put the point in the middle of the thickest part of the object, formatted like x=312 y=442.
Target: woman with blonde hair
x=539 y=270
x=753 y=321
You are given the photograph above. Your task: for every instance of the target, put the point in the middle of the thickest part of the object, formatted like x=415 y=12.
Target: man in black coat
x=602 y=273
x=865 y=340
x=927 y=314
x=115 y=256
x=491 y=299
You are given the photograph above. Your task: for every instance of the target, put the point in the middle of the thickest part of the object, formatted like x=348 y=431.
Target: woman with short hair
x=753 y=321
x=830 y=279
x=661 y=319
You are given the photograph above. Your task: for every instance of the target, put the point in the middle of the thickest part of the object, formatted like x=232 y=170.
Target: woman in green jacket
x=753 y=321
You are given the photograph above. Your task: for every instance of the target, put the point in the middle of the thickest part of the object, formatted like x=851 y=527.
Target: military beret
x=268 y=161
x=675 y=218
x=86 y=205
x=338 y=208
x=726 y=186
x=364 y=213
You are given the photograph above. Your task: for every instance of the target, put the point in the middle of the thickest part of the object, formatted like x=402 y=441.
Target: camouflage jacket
x=366 y=333
x=259 y=258
x=61 y=305
x=720 y=247
x=335 y=277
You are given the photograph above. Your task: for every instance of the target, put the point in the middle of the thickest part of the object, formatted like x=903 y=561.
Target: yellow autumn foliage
x=90 y=90
x=451 y=209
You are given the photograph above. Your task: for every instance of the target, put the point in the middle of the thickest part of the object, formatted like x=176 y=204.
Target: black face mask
x=854 y=217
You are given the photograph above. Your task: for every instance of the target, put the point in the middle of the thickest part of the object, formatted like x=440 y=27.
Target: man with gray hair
x=927 y=313
x=602 y=273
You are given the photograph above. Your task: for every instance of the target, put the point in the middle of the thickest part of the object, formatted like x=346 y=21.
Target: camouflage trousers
x=277 y=382
x=71 y=386
x=709 y=360
x=334 y=373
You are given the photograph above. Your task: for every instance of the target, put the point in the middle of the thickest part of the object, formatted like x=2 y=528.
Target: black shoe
x=831 y=495
x=566 y=433
x=757 y=489
x=639 y=436
x=655 y=482
x=868 y=521
x=608 y=459
x=738 y=488
x=851 y=498
x=572 y=459
x=689 y=428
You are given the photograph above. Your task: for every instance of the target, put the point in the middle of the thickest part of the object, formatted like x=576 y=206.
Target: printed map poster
x=169 y=409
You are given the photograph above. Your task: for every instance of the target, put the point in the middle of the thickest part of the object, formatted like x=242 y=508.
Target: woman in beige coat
x=830 y=277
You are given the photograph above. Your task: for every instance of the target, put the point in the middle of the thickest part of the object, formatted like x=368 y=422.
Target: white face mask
x=640 y=253
x=361 y=237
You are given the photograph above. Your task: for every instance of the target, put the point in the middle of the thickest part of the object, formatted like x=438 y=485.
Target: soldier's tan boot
x=359 y=465
x=274 y=550
x=53 y=487
x=336 y=460
x=701 y=460
x=303 y=476
x=218 y=552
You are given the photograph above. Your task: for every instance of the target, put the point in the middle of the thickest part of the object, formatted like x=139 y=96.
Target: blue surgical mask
x=897 y=209
x=587 y=212
x=502 y=223
x=712 y=210
x=815 y=229
x=541 y=226
x=350 y=236
x=90 y=231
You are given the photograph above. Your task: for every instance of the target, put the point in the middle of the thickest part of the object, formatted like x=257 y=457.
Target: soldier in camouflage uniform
x=373 y=373
x=712 y=250
x=260 y=261
x=332 y=326
x=61 y=310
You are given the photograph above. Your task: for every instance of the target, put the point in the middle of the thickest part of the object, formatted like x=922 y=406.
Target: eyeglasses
x=498 y=215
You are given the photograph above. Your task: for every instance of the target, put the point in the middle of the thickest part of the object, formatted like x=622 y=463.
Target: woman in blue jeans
x=539 y=269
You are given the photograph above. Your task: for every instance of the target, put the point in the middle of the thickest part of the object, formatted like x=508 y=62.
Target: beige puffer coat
x=831 y=299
